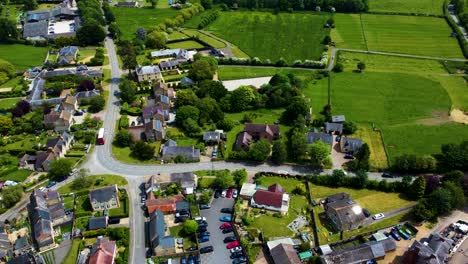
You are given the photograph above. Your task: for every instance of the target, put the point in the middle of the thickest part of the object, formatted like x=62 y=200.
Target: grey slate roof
x=170 y=143
x=104 y=194
x=352 y=144
x=97 y=222
x=169 y=64
x=186 y=151
x=144 y=70
x=338 y=118
x=435 y=252
x=284 y=254
x=187 y=81
x=360 y=253
x=315 y=136
x=211 y=136
x=157 y=229
x=21 y=243
x=37 y=15
x=333 y=127
x=186 y=179
x=35 y=29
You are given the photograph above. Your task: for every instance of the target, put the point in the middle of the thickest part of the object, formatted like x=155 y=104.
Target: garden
x=23 y=56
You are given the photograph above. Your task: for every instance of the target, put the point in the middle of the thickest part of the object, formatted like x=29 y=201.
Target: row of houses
x=15 y=246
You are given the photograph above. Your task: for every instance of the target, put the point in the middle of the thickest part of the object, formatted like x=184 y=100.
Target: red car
x=229 y=193
x=232 y=244
x=225 y=225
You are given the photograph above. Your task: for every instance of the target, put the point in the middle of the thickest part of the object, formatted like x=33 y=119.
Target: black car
x=203 y=224
x=217 y=194
x=227 y=230
x=387 y=175
x=239 y=260
x=204 y=206
x=201 y=229
x=229 y=239
x=206 y=249
x=113 y=220
x=349 y=156
x=366 y=212
x=227 y=210
x=237 y=254
x=197 y=259
x=192 y=248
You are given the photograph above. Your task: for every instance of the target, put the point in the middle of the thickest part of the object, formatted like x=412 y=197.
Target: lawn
x=378 y=157
x=23 y=56
x=241 y=72
x=16 y=175
x=123 y=209
x=289 y=184
x=379 y=225
x=68 y=201
x=13 y=83
x=86 y=53
x=177 y=35
x=187 y=44
x=104 y=180
x=124 y=155
x=297 y=41
x=416 y=35
x=73 y=253
x=130 y=19
x=209 y=40
x=176 y=231
x=433 y=7
x=8 y=103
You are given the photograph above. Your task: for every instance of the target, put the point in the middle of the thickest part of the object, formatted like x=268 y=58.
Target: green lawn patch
x=177 y=35
x=101 y=180
x=378 y=157
x=348 y=32
x=68 y=201
x=187 y=44
x=432 y=7
x=73 y=253
x=82 y=222
x=123 y=210
x=12 y=83
x=379 y=225
x=209 y=40
x=66 y=228
x=186 y=142
x=130 y=19
x=17 y=175
x=23 y=56
x=198 y=18
x=296 y=41
x=289 y=184
x=241 y=72
x=124 y=154
x=177 y=232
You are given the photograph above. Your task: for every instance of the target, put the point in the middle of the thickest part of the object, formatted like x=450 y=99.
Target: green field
x=197 y=19
x=8 y=103
x=416 y=35
x=256 y=33
x=23 y=56
x=124 y=155
x=209 y=40
x=106 y=179
x=187 y=44
x=433 y=7
x=130 y=19
x=242 y=72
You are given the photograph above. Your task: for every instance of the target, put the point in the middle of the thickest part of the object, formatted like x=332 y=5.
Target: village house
x=67 y=55
x=171 y=54
x=432 y=250
x=69 y=104
x=187 y=153
x=255 y=132
x=128 y=4
x=6 y=247
x=104 y=198
x=212 y=137
x=103 y=251
x=247 y=190
x=372 y=250
x=314 y=136
x=161 y=88
x=167 y=205
x=148 y=73
x=350 y=145
x=186 y=180
x=338 y=118
x=344 y=213
x=161 y=243
x=284 y=254
x=274 y=199
x=97 y=222
x=58 y=121
x=333 y=128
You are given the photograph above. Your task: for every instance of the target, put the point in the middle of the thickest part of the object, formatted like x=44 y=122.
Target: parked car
x=227 y=210
x=206 y=233
x=314 y=203
x=232 y=244
x=228 y=230
x=239 y=260
x=143 y=200
x=43 y=189
x=349 y=156
x=225 y=218
x=200 y=218
x=183 y=260
x=378 y=216
x=225 y=225
x=229 y=239
x=236 y=249
x=203 y=224
x=202 y=229
x=52 y=183
x=191 y=259
x=197 y=259
x=234 y=193
x=229 y=193
x=237 y=254
x=204 y=239
x=206 y=249
x=113 y=220
x=78 y=113
x=223 y=194
x=204 y=206
x=387 y=175
x=395 y=234
x=217 y=193
x=366 y=212
x=338 y=138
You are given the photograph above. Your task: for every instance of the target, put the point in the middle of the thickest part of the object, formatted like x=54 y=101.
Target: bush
x=123 y=123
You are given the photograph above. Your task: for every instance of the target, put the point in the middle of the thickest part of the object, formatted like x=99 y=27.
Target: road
x=457 y=22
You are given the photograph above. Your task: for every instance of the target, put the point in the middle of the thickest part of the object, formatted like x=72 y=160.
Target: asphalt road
x=220 y=253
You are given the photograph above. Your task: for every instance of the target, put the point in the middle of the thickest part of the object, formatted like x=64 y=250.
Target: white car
x=378 y=216
x=223 y=194
x=199 y=218
x=234 y=194
x=236 y=249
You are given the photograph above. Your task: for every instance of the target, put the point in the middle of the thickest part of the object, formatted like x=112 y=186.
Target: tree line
x=354 y=6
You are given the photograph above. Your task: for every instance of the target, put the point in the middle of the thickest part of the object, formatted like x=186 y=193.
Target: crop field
x=23 y=56
x=416 y=35
x=433 y=7
x=188 y=44
x=257 y=34
x=130 y=19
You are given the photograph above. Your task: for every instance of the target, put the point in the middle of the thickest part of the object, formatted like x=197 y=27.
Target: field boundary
x=402 y=55
x=363 y=32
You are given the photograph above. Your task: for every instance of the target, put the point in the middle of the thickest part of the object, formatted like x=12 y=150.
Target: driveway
x=257 y=82
x=337 y=157
x=220 y=253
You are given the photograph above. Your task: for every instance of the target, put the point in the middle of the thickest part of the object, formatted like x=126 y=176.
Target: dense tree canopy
x=91 y=33
x=142 y=150
x=128 y=91
x=60 y=168
x=260 y=150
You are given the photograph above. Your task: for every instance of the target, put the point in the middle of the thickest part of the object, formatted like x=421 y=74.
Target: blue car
x=225 y=218
x=52 y=183
x=204 y=239
x=183 y=260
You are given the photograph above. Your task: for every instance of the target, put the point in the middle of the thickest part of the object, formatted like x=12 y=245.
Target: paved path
x=226 y=50
x=257 y=82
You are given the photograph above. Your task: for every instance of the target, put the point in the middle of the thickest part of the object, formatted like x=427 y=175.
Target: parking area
x=220 y=253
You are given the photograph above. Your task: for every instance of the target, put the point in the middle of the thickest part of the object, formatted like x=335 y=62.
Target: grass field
x=124 y=154
x=197 y=19
x=297 y=41
x=211 y=41
x=23 y=56
x=176 y=35
x=106 y=179
x=415 y=35
x=8 y=103
x=378 y=158
x=242 y=72
x=188 y=44
x=130 y=19
x=17 y=175
x=433 y=7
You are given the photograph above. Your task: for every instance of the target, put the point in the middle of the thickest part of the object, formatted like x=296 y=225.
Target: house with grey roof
x=284 y=254
x=432 y=250
x=187 y=181
x=171 y=53
x=372 y=250
x=128 y=4
x=338 y=118
x=350 y=145
x=160 y=240
x=314 y=136
x=97 y=222
x=170 y=64
x=187 y=153
x=148 y=73
x=212 y=137
x=104 y=198
x=44 y=234
x=67 y=55
x=36 y=29
x=344 y=214
x=333 y=128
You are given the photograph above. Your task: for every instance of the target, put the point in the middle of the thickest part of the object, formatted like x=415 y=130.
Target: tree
x=22 y=107
x=156 y=40
x=128 y=90
x=241 y=98
x=114 y=30
x=326 y=40
x=279 y=79
x=319 y=152
x=128 y=55
x=260 y=150
x=279 y=153
x=349 y=127
x=30 y=5
x=207 y=4
x=82 y=180
x=337 y=178
x=297 y=108
x=240 y=176
x=191 y=127
x=185 y=112
x=91 y=33
x=422 y=211
x=440 y=201
x=11 y=195
x=361 y=66
x=173 y=189
x=297 y=145
x=201 y=70
x=362 y=159
x=7 y=29
x=96 y=104
x=213 y=89
x=190 y=227
x=5 y=124
x=225 y=124
x=154 y=3
x=185 y=97
x=142 y=150
x=338 y=67
x=452 y=176
x=457 y=199
x=86 y=85
x=417 y=188
x=60 y=168
x=141 y=33
x=209 y=111
x=122 y=139
x=223 y=180
x=454 y=157
x=360 y=180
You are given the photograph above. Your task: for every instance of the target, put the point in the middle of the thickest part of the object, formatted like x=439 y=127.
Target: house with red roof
x=103 y=251
x=165 y=205
x=274 y=198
